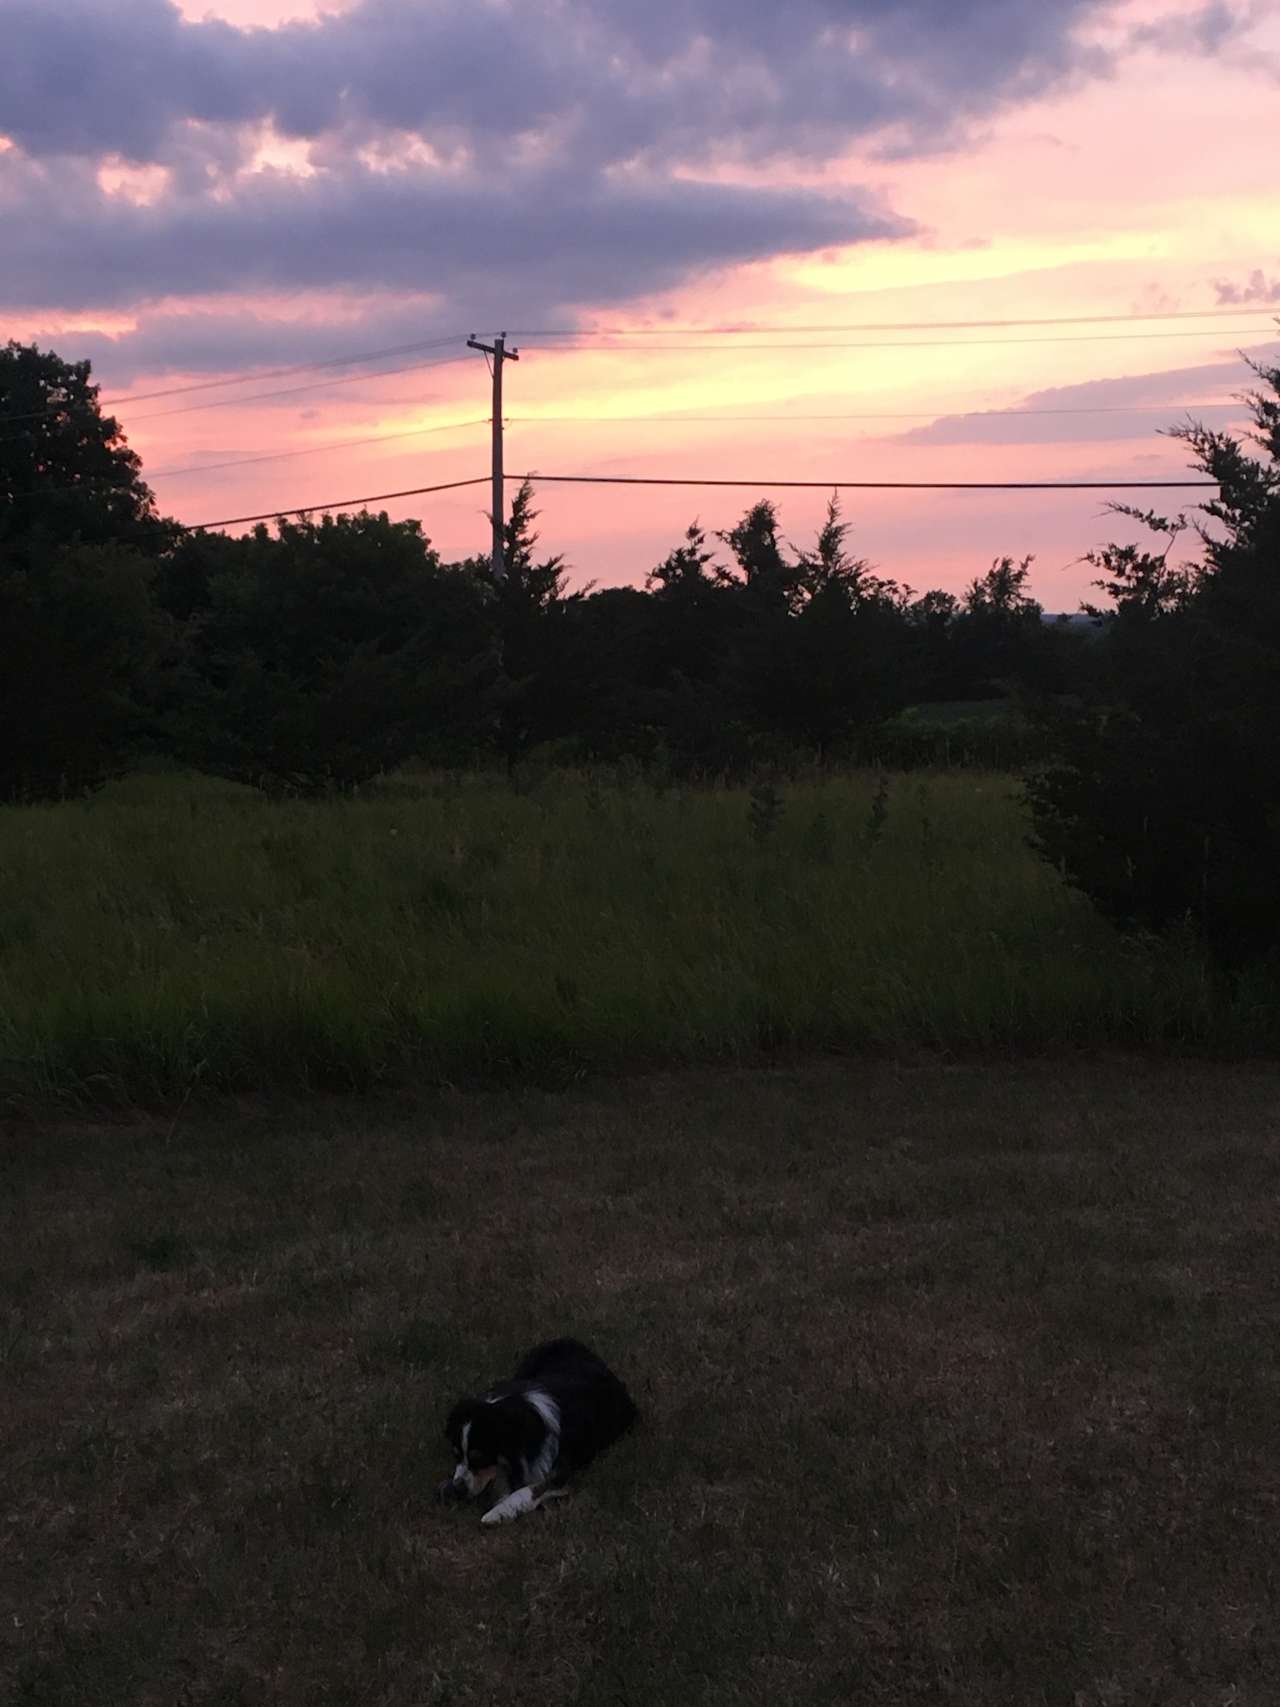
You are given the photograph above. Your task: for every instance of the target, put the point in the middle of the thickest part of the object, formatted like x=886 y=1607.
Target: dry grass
x=960 y=1386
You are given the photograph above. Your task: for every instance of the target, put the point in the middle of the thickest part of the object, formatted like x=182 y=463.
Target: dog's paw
x=515 y=1505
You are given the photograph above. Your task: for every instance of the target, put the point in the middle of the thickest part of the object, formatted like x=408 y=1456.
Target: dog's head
x=489 y=1435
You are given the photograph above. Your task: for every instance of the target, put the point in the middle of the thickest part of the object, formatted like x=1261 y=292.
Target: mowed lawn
x=961 y=1385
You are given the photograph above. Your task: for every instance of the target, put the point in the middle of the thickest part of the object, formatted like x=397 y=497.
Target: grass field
x=960 y=1385
x=173 y=937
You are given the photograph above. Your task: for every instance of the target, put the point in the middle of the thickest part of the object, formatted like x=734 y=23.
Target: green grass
x=960 y=1388
x=173 y=936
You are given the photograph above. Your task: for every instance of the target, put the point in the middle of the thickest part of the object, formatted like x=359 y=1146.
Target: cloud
x=1208 y=29
x=537 y=240
x=492 y=157
x=496 y=160
x=1256 y=288
x=1076 y=414
x=614 y=81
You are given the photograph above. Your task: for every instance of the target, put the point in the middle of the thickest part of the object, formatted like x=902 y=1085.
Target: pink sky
x=1146 y=189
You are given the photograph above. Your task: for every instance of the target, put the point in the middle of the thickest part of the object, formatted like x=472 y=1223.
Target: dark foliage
x=66 y=472
x=82 y=647
x=326 y=653
x=82 y=651
x=1164 y=805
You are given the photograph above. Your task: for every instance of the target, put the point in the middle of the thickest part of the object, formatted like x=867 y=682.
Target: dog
x=561 y=1408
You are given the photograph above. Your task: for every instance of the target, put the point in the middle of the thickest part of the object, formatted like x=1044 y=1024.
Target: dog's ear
x=461 y=1413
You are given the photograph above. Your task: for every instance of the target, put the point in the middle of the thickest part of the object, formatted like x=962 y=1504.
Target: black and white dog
x=560 y=1409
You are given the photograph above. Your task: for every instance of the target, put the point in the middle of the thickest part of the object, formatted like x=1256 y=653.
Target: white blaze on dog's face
x=474 y=1469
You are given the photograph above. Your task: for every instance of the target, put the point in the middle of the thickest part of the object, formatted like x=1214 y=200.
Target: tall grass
x=174 y=935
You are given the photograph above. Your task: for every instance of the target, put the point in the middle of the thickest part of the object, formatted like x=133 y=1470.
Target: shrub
x=1163 y=804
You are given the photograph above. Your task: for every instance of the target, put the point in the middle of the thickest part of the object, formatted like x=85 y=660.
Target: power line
x=656 y=480
x=283 y=372
x=1011 y=413
x=880 y=325
x=296 y=390
x=905 y=343
x=253 y=377
x=342 y=503
x=314 y=450
x=872 y=485
x=267 y=456
x=264 y=396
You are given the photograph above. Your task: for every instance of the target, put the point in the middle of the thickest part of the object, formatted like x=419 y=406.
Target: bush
x=81 y=646
x=326 y=654
x=1164 y=802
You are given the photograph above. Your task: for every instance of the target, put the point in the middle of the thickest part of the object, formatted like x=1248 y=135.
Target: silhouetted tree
x=845 y=646
x=998 y=635
x=81 y=651
x=66 y=472
x=329 y=652
x=761 y=569
x=1164 y=805
x=531 y=603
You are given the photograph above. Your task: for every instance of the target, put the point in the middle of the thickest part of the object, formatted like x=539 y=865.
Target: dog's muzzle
x=472 y=1481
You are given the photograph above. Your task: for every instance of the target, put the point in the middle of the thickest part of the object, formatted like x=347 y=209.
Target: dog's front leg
x=521 y=1501
x=513 y=1506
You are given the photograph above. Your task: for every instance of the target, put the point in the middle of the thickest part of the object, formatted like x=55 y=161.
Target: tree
x=66 y=472
x=327 y=653
x=81 y=648
x=845 y=646
x=999 y=634
x=763 y=572
x=79 y=637
x=531 y=603
x=1164 y=802
x=828 y=566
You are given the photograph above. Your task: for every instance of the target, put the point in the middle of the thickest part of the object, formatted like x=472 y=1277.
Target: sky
x=840 y=240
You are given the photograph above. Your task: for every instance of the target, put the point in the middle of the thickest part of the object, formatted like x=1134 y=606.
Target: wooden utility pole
x=500 y=353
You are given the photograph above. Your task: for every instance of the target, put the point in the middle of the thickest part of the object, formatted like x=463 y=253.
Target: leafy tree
x=81 y=651
x=327 y=653
x=80 y=641
x=998 y=635
x=66 y=472
x=1164 y=803
x=934 y=667
x=763 y=573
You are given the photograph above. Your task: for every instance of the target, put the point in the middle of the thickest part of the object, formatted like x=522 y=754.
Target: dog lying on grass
x=528 y=1436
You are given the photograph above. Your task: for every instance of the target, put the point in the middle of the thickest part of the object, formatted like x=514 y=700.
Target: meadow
x=174 y=936
x=959 y=1388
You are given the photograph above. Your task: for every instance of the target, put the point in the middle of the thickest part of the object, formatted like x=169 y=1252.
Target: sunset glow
x=202 y=227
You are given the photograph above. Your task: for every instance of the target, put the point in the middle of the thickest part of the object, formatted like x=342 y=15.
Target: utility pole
x=500 y=353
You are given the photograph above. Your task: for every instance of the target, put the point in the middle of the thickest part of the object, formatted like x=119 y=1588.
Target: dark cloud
x=613 y=80
x=1153 y=398
x=541 y=156
x=537 y=240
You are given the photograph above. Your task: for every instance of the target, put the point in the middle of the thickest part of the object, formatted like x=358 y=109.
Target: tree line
x=317 y=654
